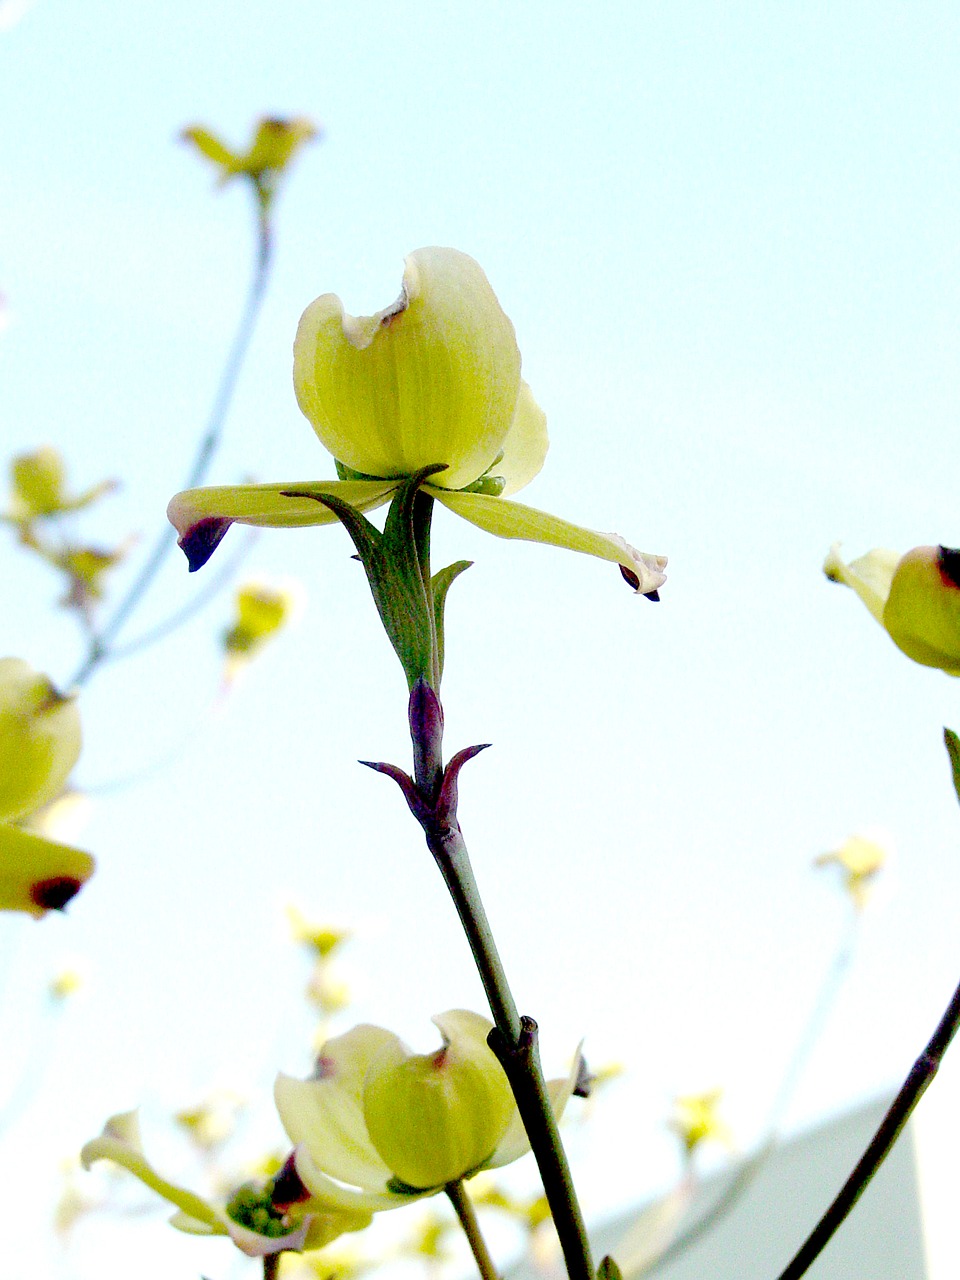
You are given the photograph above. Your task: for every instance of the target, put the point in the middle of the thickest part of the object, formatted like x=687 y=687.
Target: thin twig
x=467 y=1215
x=212 y=587
x=101 y=646
x=748 y=1172
x=912 y=1090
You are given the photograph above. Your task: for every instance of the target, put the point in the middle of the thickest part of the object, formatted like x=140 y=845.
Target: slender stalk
x=432 y=796
x=748 y=1172
x=213 y=586
x=101 y=648
x=514 y=1040
x=271 y=1266
x=921 y=1074
x=467 y=1215
x=450 y=855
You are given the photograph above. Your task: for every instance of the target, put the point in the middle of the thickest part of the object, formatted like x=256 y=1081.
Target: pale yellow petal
x=526 y=445
x=433 y=378
x=869 y=576
x=39 y=875
x=507 y=519
x=202 y=516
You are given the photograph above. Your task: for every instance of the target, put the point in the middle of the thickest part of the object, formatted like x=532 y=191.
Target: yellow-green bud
x=922 y=612
x=436 y=1118
x=39 y=739
x=38 y=479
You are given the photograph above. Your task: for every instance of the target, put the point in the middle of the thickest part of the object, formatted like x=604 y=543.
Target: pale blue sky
x=727 y=237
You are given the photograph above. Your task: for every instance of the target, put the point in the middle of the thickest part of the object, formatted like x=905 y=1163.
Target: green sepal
x=396 y=563
x=952 y=743
x=440 y=584
x=401 y=1188
x=347 y=473
x=608 y=1270
x=493 y=486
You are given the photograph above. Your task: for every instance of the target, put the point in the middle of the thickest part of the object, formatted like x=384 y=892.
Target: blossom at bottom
x=377 y=1125
x=252 y=1219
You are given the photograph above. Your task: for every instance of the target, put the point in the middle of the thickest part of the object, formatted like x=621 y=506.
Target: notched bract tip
x=202 y=539
x=948 y=562
x=55 y=893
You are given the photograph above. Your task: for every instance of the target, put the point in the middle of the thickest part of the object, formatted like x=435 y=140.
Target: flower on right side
x=915 y=598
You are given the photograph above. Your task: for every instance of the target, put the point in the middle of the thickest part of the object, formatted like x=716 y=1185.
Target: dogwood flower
x=860 y=861
x=376 y=1125
x=915 y=598
x=274 y=144
x=39 y=745
x=432 y=379
x=696 y=1120
x=251 y=1218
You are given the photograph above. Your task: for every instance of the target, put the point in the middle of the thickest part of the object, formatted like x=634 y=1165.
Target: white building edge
x=906 y=1226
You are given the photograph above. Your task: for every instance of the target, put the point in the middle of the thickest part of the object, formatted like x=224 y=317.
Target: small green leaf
x=440 y=584
x=394 y=562
x=952 y=743
x=608 y=1270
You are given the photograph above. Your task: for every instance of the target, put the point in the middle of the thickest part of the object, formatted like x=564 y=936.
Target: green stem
x=515 y=1044
x=514 y=1039
x=521 y=1064
x=101 y=648
x=912 y=1090
x=457 y=1195
x=450 y=854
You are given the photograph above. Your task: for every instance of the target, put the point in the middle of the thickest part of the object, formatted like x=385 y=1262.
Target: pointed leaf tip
x=608 y=1270
x=202 y=539
x=952 y=743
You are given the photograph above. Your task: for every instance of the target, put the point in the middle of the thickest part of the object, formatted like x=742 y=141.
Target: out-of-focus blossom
x=213 y=1120
x=251 y=1218
x=322 y=939
x=39 y=745
x=66 y=982
x=696 y=1120
x=860 y=862
x=275 y=143
x=261 y=610
x=39 y=489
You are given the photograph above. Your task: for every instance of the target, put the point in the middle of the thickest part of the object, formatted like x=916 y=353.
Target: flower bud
x=39 y=739
x=922 y=612
x=38 y=480
x=435 y=1118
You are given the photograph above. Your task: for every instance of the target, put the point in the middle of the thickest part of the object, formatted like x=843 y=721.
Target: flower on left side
x=251 y=1218
x=39 y=745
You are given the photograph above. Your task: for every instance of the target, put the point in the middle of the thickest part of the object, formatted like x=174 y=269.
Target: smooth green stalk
x=912 y=1090
x=514 y=1040
x=450 y=855
x=101 y=648
x=457 y=1195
